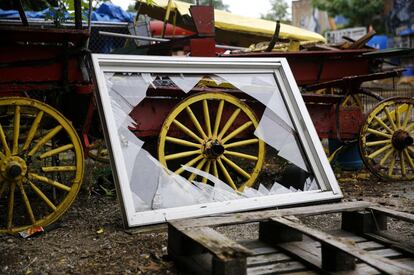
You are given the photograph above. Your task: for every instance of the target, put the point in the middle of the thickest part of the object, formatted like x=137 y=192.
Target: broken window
x=191 y=137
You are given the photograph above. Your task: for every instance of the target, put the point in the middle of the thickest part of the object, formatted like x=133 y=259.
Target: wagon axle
x=13 y=168
x=213 y=149
x=401 y=139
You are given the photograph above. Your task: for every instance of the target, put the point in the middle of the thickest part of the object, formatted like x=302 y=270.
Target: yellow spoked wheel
x=99 y=152
x=41 y=166
x=213 y=133
x=387 y=139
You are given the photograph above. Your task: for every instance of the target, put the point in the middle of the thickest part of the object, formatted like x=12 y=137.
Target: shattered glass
x=188 y=161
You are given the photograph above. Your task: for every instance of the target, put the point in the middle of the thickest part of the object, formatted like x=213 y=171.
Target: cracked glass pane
x=212 y=145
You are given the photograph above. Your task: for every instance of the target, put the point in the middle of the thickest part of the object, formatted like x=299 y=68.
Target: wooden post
x=78 y=14
x=274 y=233
x=235 y=266
x=334 y=259
x=360 y=222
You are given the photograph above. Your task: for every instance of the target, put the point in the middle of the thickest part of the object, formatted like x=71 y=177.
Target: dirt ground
x=90 y=239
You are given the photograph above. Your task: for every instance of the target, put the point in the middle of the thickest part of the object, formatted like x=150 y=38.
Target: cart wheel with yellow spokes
x=213 y=133
x=387 y=139
x=41 y=166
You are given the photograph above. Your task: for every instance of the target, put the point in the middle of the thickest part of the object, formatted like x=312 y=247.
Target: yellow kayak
x=230 y=28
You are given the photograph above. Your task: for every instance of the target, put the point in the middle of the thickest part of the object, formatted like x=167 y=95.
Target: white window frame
x=301 y=119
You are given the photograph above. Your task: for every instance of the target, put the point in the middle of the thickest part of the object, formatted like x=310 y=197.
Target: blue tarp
x=106 y=12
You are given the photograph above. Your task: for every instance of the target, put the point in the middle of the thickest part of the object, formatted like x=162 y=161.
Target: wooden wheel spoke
x=198 y=167
x=378 y=142
x=357 y=100
x=42 y=195
x=378 y=133
x=207 y=117
x=27 y=203
x=237 y=131
x=379 y=151
x=236 y=168
x=410 y=127
x=407 y=116
x=382 y=123
x=182 y=142
x=207 y=170
x=226 y=174
x=218 y=118
x=215 y=170
x=182 y=154
x=49 y=169
x=229 y=122
x=402 y=163
x=188 y=164
x=16 y=130
x=411 y=149
x=397 y=116
x=386 y=156
x=187 y=131
x=45 y=139
x=347 y=98
x=195 y=122
x=3 y=188
x=4 y=142
x=46 y=180
x=2 y=156
x=33 y=130
x=10 y=207
x=390 y=119
x=56 y=151
x=240 y=155
x=392 y=165
x=241 y=143
x=408 y=157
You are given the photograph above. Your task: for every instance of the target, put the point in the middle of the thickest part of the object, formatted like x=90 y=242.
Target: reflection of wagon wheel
x=386 y=142
x=41 y=165
x=210 y=137
x=98 y=151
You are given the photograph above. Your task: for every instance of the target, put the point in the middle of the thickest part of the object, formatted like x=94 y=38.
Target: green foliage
x=359 y=13
x=218 y=4
x=279 y=11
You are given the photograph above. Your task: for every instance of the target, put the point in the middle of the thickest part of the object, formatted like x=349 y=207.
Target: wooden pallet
x=285 y=245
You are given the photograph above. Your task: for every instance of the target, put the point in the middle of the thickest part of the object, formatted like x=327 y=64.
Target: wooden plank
x=369 y=245
x=249 y=217
x=277 y=268
x=386 y=252
x=312 y=257
x=392 y=240
x=406 y=261
x=382 y=264
x=348 y=235
x=258 y=247
x=229 y=257
x=360 y=43
x=407 y=217
x=267 y=259
x=216 y=243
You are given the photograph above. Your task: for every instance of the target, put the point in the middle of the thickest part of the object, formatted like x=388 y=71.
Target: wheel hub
x=401 y=140
x=13 y=168
x=213 y=149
